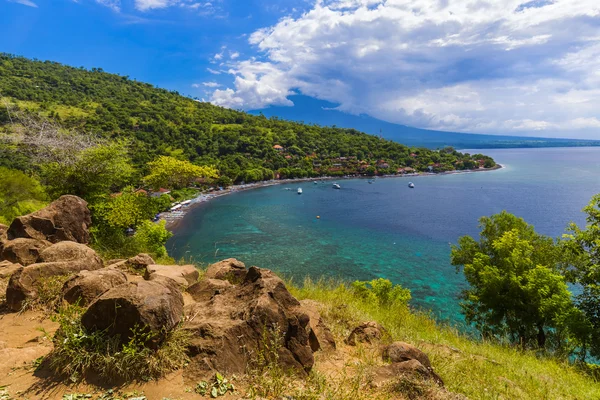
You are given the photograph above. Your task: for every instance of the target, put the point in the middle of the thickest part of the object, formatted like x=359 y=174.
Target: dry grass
x=478 y=370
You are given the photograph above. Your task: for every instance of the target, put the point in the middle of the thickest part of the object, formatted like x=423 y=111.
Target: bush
x=77 y=352
x=382 y=291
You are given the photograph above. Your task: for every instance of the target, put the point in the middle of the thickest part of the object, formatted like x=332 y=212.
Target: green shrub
x=382 y=291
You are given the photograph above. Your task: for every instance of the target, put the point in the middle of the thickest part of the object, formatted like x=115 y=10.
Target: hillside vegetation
x=241 y=146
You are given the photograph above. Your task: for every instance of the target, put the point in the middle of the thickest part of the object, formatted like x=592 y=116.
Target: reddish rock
x=367 y=332
x=184 y=275
x=23 y=283
x=320 y=336
x=230 y=270
x=231 y=324
x=67 y=218
x=23 y=251
x=150 y=305
x=86 y=286
x=400 y=351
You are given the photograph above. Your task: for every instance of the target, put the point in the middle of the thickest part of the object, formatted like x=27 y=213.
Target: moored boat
x=299 y=190
x=411 y=185
x=336 y=186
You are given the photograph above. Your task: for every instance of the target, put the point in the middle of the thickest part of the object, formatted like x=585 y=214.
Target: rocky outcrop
x=320 y=337
x=405 y=360
x=368 y=332
x=135 y=264
x=67 y=218
x=86 y=286
x=230 y=270
x=7 y=269
x=184 y=275
x=232 y=323
x=154 y=306
x=61 y=259
x=24 y=251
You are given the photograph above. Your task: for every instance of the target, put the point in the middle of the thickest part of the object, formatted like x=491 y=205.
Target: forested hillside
x=159 y=122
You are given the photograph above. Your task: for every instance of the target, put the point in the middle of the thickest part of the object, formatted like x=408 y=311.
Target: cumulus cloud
x=464 y=65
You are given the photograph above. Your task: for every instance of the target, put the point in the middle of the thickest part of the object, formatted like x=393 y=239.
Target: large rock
x=7 y=269
x=184 y=275
x=367 y=332
x=24 y=251
x=150 y=305
x=61 y=259
x=320 y=336
x=3 y=237
x=410 y=368
x=232 y=324
x=86 y=286
x=67 y=218
x=135 y=264
x=400 y=351
x=230 y=270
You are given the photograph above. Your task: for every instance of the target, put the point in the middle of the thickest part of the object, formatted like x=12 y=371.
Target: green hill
x=161 y=122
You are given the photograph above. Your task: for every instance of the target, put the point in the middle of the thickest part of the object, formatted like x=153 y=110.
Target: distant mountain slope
x=315 y=111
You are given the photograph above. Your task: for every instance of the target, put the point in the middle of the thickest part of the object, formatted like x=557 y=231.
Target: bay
x=385 y=229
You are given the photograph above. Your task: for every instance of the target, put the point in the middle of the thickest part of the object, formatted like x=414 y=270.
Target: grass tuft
x=78 y=353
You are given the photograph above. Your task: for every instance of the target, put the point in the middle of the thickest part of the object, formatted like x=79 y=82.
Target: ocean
x=385 y=229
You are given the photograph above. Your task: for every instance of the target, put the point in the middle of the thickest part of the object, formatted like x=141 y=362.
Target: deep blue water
x=386 y=229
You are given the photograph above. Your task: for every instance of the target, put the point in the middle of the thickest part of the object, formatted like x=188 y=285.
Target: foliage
x=158 y=122
x=49 y=293
x=219 y=387
x=169 y=172
x=20 y=194
x=93 y=172
x=128 y=209
x=382 y=291
x=149 y=238
x=77 y=352
x=582 y=266
x=516 y=290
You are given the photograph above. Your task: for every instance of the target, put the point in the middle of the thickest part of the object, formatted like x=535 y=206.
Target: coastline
x=173 y=218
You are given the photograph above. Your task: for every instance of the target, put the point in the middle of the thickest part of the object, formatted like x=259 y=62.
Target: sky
x=497 y=66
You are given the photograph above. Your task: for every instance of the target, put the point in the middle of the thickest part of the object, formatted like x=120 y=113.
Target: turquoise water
x=386 y=229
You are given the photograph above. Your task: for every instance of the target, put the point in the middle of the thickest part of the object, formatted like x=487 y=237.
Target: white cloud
x=482 y=66
x=27 y=3
x=115 y=5
x=213 y=71
x=234 y=55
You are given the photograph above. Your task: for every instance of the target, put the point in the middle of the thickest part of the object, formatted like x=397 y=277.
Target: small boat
x=411 y=185
x=336 y=186
x=299 y=190
x=316 y=183
x=370 y=181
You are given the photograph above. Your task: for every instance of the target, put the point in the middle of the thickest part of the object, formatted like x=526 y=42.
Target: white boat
x=185 y=203
x=299 y=190
x=336 y=186
x=315 y=182
x=411 y=185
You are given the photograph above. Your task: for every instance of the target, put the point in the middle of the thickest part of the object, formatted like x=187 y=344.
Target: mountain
x=310 y=110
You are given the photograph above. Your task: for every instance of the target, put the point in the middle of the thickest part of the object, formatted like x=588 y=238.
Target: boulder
x=231 y=324
x=410 y=368
x=367 y=332
x=400 y=351
x=86 y=286
x=3 y=238
x=230 y=270
x=151 y=305
x=67 y=218
x=140 y=262
x=7 y=269
x=70 y=251
x=320 y=336
x=23 y=251
x=70 y=258
x=206 y=289
x=184 y=275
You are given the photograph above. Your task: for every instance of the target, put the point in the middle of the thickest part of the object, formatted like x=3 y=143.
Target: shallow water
x=387 y=230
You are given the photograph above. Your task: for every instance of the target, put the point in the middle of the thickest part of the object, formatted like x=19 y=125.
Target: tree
x=92 y=172
x=19 y=194
x=169 y=172
x=582 y=266
x=516 y=290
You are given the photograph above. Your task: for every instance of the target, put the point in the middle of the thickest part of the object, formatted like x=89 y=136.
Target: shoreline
x=173 y=218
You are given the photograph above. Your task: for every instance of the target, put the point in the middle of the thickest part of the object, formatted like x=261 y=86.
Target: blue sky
x=506 y=67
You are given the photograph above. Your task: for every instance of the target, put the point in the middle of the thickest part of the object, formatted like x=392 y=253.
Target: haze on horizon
x=527 y=68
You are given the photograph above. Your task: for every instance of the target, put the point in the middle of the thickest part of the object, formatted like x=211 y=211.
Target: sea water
x=365 y=231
